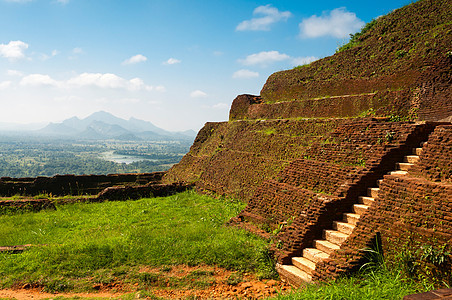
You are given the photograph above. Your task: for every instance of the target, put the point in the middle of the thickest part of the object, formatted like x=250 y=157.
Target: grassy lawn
x=86 y=243
x=83 y=245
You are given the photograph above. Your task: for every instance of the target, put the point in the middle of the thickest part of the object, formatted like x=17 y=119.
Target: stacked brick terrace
x=234 y=158
x=324 y=211
x=412 y=211
x=338 y=166
x=301 y=269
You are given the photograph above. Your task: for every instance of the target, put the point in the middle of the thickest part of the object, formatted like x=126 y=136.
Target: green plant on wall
x=389 y=137
x=428 y=264
x=355 y=38
x=436 y=256
x=400 y=53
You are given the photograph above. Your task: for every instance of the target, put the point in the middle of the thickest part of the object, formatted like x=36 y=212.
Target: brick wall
x=380 y=103
x=234 y=158
x=436 y=162
x=410 y=212
x=72 y=184
x=313 y=192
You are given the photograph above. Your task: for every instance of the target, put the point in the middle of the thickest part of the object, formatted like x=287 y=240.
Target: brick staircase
x=300 y=271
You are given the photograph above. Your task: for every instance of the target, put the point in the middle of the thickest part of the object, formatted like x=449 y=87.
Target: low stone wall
x=122 y=193
x=115 y=193
x=61 y=185
x=19 y=205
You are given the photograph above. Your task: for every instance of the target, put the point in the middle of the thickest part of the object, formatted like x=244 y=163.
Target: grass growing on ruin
x=109 y=239
x=380 y=281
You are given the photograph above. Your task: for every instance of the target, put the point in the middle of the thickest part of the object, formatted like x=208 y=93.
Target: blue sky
x=175 y=63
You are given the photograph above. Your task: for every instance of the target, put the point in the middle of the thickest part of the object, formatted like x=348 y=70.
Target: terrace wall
x=312 y=192
x=234 y=158
x=410 y=212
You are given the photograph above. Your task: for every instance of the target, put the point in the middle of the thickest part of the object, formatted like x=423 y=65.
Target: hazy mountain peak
x=104 y=125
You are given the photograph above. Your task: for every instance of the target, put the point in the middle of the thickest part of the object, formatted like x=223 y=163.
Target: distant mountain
x=103 y=125
x=58 y=129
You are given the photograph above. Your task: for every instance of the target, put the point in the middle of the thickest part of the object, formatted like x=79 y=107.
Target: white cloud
x=299 y=61
x=14 y=73
x=77 y=50
x=55 y=52
x=136 y=84
x=338 y=23
x=264 y=58
x=5 y=85
x=13 y=50
x=38 y=80
x=99 y=80
x=245 y=74
x=220 y=106
x=63 y=1
x=135 y=59
x=198 y=94
x=108 y=80
x=160 y=88
x=172 y=61
x=269 y=16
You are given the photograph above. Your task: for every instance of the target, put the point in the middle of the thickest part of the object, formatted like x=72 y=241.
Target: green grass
x=382 y=283
x=99 y=241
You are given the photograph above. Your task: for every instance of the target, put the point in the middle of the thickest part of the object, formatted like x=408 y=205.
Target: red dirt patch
x=219 y=284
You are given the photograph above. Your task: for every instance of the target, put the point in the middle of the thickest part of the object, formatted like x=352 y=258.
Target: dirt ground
x=220 y=286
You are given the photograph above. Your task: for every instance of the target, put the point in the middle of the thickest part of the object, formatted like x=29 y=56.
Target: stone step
x=293 y=275
x=351 y=218
x=412 y=159
x=343 y=227
x=334 y=236
x=303 y=264
x=373 y=192
x=404 y=166
x=398 y=172
x=314 y=254
x=417 y=151
x=359 y=208
x=326 y=246
x=366 y=200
